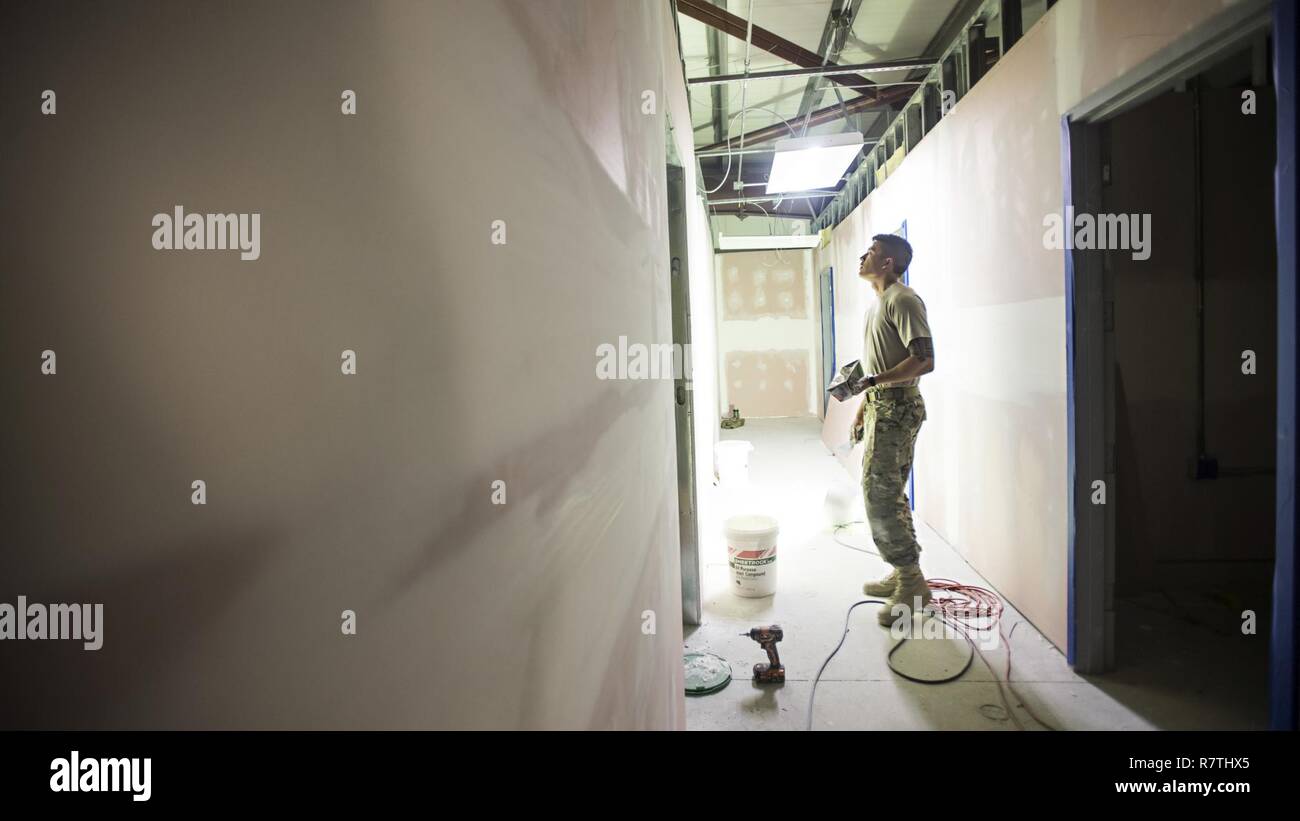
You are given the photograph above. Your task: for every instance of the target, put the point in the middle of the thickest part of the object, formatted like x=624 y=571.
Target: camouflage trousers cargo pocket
x=890 y=428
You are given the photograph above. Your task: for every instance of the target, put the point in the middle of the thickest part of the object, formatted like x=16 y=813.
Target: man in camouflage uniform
x=897 y=350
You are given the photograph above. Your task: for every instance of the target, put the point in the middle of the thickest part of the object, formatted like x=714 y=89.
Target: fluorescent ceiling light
x=807 y=163
x=764 y=242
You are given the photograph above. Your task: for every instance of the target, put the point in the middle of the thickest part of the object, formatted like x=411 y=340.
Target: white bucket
x=751 y=553
x=733 y=462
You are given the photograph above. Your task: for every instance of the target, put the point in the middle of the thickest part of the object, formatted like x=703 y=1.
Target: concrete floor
x=1182 y=675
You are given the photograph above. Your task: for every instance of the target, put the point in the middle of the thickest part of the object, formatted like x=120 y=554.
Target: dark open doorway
x=1174 y=361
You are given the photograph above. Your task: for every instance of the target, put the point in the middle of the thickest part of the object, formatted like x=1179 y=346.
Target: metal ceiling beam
x=772 y=101
x=894 y=95
x=828 y=71
x=839 y=22
x=718 y=94
x=953 y=29
x=728 y=23
x=722 y=152
x=952 y=26
x=769 y=197
x=766 y=149
x=778 y=211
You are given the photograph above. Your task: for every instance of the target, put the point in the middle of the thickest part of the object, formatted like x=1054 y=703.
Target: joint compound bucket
x=751 y=553
x=733 y=462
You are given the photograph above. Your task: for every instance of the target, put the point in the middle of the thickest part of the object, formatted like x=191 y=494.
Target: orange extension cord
x=971 y=609
x=966 y=608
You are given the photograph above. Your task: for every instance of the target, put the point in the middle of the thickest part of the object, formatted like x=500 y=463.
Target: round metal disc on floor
x=706 y=673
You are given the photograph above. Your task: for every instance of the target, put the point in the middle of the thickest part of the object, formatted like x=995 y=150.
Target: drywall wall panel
x=991 y=459
x=325 y=492
x=768 y=317
x=763 y=382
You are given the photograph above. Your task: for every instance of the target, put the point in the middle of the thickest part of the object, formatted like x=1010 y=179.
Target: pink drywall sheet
x=373 y=491
x=767 y=383
x=755 y=291
x=764 y=305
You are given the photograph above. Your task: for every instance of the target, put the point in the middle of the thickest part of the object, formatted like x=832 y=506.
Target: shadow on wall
x=566 y=72
x=369 y=491
x=155 y=612
x=562 y=511
x=543 y=468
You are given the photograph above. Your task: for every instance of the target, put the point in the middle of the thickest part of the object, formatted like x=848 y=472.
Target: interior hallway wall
x=325 y=492
x=768 y=334
x=991 y=459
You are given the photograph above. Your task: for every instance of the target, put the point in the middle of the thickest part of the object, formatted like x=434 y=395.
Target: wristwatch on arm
x=871 y=381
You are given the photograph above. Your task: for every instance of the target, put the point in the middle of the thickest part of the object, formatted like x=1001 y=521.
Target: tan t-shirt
x=892 y=323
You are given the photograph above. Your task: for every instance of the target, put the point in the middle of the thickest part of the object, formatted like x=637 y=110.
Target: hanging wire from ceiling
x=727 y=172
x=744 y=90
x=841 y=34
x=771 y=231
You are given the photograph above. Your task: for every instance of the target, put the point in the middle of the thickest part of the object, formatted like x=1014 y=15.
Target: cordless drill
x=774 y=671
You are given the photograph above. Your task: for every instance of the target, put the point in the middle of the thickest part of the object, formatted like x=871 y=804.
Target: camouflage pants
x=890 y=425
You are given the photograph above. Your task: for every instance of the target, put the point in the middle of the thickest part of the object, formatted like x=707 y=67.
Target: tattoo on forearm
x=922 y=348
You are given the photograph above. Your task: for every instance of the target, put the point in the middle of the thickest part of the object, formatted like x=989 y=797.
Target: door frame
x=1283 y=672
x=1090 y=647
x=827 y=275
x=683 y=398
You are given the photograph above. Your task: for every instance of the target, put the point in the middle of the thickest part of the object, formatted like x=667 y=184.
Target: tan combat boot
x=883 y=587
x=912 y=591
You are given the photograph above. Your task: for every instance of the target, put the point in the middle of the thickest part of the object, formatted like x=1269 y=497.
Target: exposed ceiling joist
x=734 y=25
x=718 y=94
x=763 y=149
x=722 y=152
x=828 y=71
x=751 y=210
x=770 y=197
x=894 y=95
x=952 y=27
x=839 y=22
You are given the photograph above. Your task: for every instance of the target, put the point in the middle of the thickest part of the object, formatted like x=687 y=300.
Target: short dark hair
x=897 y=249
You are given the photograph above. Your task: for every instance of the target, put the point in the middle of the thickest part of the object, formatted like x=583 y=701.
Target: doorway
x=826 y=305
x=1174 y=356
x=683 y=398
